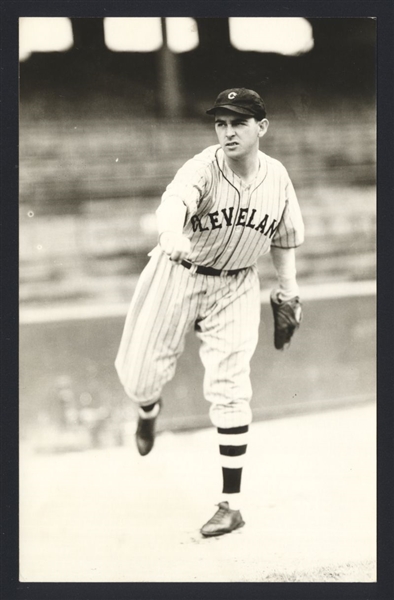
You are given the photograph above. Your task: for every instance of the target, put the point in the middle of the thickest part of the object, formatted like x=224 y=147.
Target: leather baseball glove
x=287 y=318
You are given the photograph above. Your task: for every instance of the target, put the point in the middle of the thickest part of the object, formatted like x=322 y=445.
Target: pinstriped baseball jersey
x=231 y=224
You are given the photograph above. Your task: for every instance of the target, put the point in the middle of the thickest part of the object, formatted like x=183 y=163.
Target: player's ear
x=263 y=127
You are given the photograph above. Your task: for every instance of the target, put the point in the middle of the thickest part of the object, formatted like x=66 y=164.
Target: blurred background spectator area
x=107 y=116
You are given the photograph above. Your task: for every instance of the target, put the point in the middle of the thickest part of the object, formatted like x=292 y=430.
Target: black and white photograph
x=197 y=299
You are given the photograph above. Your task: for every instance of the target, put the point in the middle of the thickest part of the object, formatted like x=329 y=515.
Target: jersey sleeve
x=290 y=231
x=190 y=184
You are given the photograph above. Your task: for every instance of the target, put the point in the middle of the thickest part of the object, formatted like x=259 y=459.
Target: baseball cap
x=240 y=100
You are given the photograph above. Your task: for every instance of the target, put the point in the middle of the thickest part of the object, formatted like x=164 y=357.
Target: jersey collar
x=233 y=178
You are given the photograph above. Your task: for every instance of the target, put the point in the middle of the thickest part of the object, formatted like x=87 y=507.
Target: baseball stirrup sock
x=232 y=447
x=149 y=412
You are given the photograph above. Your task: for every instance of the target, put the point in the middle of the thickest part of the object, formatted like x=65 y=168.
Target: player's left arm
x=284 y=262
x=285 y=298
x=288 y=236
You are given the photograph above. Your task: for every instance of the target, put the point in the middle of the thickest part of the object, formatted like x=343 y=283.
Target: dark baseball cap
x=242 y=101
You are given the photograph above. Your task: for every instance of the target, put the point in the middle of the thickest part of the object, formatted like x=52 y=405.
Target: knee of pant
x=232 y=414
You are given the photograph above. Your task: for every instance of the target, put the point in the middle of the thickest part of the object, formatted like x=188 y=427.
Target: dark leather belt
x=210 y=270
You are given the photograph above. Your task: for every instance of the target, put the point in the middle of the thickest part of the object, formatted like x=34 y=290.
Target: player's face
x=238 y=134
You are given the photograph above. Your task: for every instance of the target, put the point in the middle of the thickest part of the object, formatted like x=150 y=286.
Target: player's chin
x=234 y=150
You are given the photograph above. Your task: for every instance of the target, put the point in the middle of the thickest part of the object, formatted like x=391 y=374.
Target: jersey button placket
x=242 y=204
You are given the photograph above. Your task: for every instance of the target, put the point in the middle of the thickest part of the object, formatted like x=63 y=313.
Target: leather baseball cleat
x=223 y=521
x=145 y=434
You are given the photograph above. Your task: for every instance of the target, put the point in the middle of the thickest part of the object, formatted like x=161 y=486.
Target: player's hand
x=287 y=318
x=175 y=245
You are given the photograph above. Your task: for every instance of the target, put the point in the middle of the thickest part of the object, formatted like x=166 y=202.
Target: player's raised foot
x=223 y=521
x=145 y=434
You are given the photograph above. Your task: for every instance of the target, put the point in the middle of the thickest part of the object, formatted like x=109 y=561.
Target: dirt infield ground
x=110 y=515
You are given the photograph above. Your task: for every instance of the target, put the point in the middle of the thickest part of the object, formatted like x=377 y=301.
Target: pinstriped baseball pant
x=225 y=312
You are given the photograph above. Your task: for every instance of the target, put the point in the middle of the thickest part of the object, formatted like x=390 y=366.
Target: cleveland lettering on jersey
x=215 y=220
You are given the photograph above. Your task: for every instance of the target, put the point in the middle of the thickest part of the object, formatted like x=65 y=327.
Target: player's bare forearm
x=284 y=262
x=285 y=302
x=170 y=219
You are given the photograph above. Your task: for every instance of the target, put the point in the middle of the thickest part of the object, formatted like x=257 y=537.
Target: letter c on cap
x=232 y=95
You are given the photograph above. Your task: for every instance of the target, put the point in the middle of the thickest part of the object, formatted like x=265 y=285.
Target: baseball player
x=224 y=208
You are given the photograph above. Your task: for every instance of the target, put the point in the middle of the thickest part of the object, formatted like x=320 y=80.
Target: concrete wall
x=331 y=362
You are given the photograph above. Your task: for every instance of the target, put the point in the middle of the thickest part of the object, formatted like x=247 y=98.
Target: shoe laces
x=219 y=514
